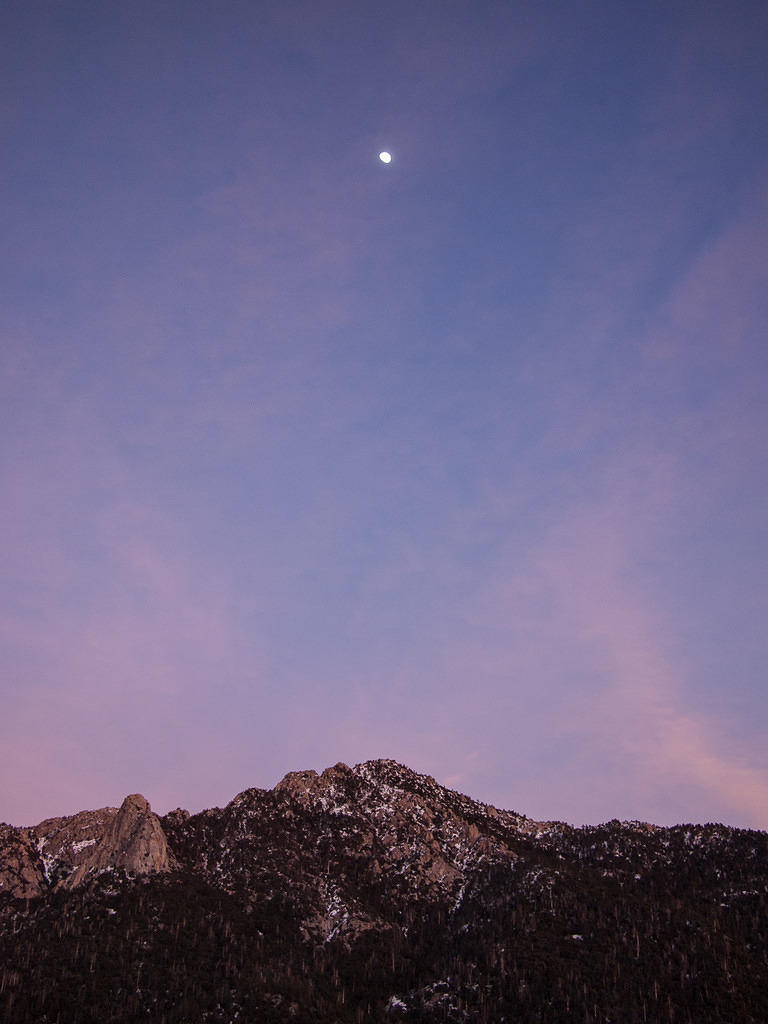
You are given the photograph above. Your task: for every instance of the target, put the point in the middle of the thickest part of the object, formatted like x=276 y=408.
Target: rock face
x=64 y=853
x=133 y=841
x=65 y=844
x=21 y=872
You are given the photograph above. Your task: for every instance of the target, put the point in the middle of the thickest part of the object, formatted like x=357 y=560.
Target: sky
x=459 y=460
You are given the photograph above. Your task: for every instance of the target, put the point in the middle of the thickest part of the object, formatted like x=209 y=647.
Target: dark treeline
x=176 y=949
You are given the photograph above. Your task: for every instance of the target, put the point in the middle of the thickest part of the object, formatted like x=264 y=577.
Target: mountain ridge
x=65 y=851
x=373 y=892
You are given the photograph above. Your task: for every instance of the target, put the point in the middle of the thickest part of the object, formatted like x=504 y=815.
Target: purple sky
x=460 y=460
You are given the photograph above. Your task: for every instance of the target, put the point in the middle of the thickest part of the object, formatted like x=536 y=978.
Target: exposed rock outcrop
x=21 y=870
x=301 y=786
x=307 y=787
x=64 y=844
x=134 y=842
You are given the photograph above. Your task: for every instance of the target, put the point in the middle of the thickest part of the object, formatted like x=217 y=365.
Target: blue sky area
x=458 y=460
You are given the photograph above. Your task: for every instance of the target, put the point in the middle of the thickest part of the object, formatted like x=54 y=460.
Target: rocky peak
x=134 y=842
x=338 y=773
x=307 y=788
x=299 y=786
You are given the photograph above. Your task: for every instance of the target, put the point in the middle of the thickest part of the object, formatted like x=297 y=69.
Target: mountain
x=374 y=894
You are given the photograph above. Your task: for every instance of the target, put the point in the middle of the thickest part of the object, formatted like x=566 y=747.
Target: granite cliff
x=63 y=853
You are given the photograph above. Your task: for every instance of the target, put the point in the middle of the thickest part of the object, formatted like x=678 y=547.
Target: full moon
x=385 y=157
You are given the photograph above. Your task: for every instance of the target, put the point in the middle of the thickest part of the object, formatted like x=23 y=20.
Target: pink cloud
x=642 y=709
x=720 y=302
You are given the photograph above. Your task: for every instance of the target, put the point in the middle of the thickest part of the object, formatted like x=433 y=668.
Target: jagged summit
x=133 y=842
x=64 y=853
x=381 y=770
x=382 y=776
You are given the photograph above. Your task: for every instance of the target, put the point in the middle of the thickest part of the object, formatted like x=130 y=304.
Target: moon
x=385 y=157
